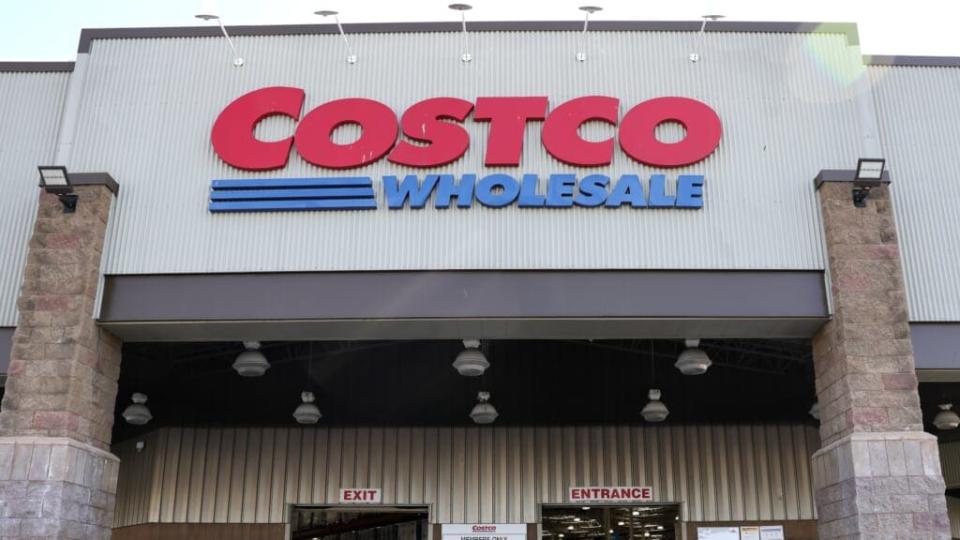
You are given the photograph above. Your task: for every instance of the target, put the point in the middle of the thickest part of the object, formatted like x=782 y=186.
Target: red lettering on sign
x=508 y=117
x=561 y=135
x=378 y=125
x=424 y=122
x=429 y=121
x=638 y=132
x=232 y=135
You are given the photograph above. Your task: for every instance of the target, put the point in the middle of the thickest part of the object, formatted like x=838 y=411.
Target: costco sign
x=431 y=134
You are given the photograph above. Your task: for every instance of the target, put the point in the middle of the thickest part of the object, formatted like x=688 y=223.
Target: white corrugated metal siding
x=918 y=109
x=787 y=102
x=467 y=475
x=30 y=108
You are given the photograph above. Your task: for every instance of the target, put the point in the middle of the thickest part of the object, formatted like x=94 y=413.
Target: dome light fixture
x=654 y=410
x=137 y=412
x=471 y=362
x=946 y=419
x=815 y=410
x=483 y=412
x=251 y=362
x=693 y=360
x=307 y=412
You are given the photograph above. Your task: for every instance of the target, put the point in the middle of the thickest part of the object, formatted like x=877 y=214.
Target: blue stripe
x=281 y=183
x=267 y=194
x=305 y=204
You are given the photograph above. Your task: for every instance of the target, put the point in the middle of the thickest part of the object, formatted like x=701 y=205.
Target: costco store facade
x=643 y=281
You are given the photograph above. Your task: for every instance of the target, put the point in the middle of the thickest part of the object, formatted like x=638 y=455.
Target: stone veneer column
x=878 y=473
x=57 y=476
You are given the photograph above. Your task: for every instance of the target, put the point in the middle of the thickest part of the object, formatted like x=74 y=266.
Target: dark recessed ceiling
x=413 y=383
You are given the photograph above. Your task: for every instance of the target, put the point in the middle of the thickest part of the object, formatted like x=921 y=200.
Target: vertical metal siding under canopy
x=918 y=110
x=465 y=474
x=30 y=111
x=788 y=104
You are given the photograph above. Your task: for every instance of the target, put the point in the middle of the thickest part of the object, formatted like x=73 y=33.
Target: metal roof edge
x=915 y=61
x=36 y=67
x=88 y=35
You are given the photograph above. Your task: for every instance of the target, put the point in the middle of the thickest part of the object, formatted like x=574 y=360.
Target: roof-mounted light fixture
x=588 y=10
x=465 y=56
x=55 y=180
x=483 y=412
x=869 y=175
x=137 y=412
x=695 y=56
x=251 y=362
x=207 y=16
x=471 y=362
x=351 y=57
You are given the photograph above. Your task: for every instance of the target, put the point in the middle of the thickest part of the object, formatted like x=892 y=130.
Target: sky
x=38 y=30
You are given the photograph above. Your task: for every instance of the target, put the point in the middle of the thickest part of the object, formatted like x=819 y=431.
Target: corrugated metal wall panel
x=31 y=108
x=249 y=475
x=788 y=102
x=918 y=108
x=950 y=464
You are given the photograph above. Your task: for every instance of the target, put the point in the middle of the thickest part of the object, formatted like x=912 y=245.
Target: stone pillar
x=57 y=476
x=878 y=473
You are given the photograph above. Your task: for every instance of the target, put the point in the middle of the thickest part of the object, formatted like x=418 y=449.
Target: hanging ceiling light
x=137 y=413
x=815 y=410
x=471 y=362
x=251 y=362
x=654 y=410
x=693 y=360
x=307 y=412
x=484 y=412
x=946 y=419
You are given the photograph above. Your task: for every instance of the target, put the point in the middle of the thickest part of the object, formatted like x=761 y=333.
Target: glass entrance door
x=648 y=522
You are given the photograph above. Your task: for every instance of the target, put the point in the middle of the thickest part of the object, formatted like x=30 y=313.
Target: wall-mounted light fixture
x=351 y=57
x=869 y=175
x=695 y=56
x=465 y=56
x=589 y=10
x=55 y=179
x=207 y=16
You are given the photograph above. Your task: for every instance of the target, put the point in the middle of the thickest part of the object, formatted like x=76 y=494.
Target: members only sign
x=625 y=494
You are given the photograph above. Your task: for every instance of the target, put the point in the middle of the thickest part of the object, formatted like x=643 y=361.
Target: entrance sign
x=493 y=531
x=360 y=496
x=626 y=494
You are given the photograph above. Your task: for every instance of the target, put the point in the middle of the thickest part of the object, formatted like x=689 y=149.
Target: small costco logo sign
x=611 y=494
